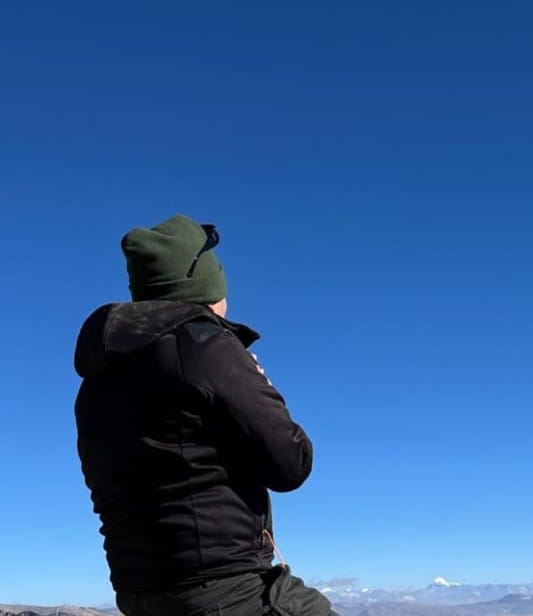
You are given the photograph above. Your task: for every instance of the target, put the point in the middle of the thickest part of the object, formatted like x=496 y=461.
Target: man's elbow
x=292 y=476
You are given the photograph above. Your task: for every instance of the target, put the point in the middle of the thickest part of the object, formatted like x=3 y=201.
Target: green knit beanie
x=160 y=263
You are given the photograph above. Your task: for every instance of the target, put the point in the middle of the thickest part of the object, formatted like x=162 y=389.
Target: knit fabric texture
x=159 y=261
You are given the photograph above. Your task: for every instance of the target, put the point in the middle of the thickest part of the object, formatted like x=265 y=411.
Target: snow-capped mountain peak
x=443 y=582
x=440 y=581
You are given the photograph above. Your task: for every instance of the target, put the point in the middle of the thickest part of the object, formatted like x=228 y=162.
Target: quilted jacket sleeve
x=277 y=447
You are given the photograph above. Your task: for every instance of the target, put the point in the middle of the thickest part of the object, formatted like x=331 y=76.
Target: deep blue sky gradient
x=369 y=169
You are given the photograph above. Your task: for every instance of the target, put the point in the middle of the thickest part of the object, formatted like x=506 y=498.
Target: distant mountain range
x=512 y=605
x=441 y=598
x=61 y=610
x=439 y=592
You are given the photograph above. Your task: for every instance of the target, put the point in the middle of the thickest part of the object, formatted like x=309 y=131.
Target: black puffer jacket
x=179 y=437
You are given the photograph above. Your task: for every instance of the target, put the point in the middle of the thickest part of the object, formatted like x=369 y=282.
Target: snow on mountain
x=440 y=581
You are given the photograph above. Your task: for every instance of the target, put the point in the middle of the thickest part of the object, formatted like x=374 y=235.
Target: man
x=180 y=436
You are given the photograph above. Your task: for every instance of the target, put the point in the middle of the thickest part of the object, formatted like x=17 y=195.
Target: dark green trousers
x=274 y=593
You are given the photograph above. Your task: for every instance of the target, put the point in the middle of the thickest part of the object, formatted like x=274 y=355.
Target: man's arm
x=228 y=375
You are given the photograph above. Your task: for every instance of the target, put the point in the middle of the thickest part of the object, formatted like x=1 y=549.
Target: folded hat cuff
x=201 y=290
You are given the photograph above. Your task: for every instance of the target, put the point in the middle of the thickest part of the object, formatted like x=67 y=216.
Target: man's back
x=178 y=470
x=181 y=436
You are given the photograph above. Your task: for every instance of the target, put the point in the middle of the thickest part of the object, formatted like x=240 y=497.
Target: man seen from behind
x=181 y=436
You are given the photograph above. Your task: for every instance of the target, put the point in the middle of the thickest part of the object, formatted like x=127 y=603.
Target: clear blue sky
x=369 y=168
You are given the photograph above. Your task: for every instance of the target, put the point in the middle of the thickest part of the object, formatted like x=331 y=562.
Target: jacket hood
x=116 y=330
